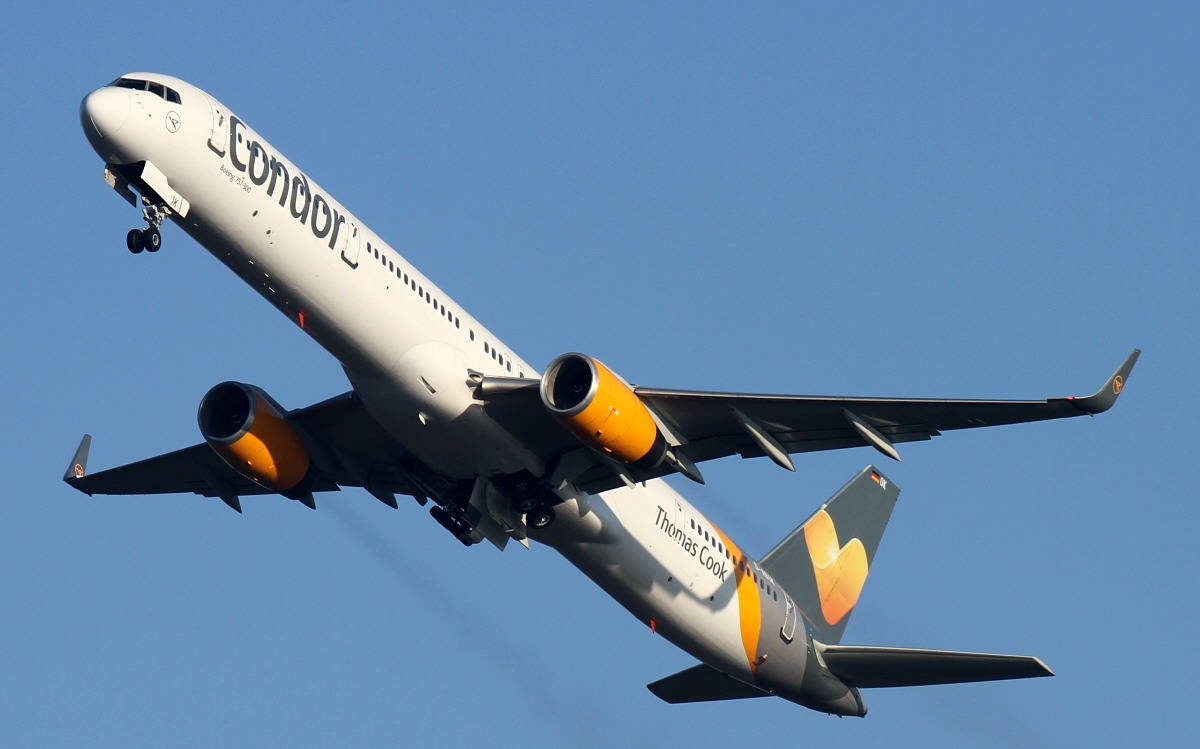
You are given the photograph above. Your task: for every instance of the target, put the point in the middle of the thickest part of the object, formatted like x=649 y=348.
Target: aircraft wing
x=195 y=469
x=710 y=425
x=348 y=445
x=804 y=423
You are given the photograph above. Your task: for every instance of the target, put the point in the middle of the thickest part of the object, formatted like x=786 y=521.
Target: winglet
x=1104 y=398
x=78 y=466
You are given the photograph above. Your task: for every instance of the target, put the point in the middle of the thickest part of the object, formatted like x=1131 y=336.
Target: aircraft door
x=350 y=244
x=218 y=138
x=788 y=630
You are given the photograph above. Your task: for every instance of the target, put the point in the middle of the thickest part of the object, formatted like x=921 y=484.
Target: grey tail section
x=824 y=569
x=702 y=683
x=865 y=667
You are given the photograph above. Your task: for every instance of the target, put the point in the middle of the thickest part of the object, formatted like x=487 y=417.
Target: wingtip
x=1104 y=398
x=1040 y=662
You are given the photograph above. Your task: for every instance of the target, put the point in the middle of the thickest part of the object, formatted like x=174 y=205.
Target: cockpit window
x=157 y=89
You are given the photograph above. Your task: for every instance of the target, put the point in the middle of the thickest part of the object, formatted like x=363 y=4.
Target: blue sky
x=926 y=199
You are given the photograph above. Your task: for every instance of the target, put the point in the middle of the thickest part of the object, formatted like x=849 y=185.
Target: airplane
x=440 y=409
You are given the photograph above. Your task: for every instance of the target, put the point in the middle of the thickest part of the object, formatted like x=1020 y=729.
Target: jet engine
x=250 y=431
x=599 y=408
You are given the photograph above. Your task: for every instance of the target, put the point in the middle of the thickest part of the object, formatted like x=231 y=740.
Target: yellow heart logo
x=840 y=570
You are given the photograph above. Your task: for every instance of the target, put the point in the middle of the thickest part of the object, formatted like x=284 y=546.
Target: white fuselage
x=408 y=349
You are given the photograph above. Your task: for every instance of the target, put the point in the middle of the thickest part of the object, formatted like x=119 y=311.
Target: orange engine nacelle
x=249 y=430
x=601 y=410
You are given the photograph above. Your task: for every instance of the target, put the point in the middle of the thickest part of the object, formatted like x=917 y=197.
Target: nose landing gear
x=150 y=238
x=143 y=239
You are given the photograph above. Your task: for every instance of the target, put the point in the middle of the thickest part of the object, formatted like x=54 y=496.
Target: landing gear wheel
x=134 y=241
x=540 y=517
x=526 y=504
x=151 y=239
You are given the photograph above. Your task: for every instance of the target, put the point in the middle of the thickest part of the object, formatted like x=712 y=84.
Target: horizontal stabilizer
x=702 y=683
x=862 y=666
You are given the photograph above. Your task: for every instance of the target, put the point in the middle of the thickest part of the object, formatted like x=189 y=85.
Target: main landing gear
x=453 y=522
x=150 y=238
x=529 y=498
x=540 y=517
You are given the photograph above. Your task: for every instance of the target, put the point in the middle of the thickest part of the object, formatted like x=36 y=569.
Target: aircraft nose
x=103 y=113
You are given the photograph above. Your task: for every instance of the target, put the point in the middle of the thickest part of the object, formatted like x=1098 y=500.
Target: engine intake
x=250 y=431
x=600 y=409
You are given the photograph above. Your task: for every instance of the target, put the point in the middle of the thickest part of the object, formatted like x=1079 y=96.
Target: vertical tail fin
x=823 y=564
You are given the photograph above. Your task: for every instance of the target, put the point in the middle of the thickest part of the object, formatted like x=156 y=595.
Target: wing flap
x=864 y=666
